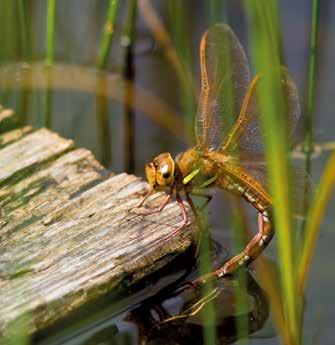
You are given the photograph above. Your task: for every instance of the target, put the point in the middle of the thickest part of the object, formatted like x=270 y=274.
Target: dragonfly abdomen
x=252 y=192
x=248 y=192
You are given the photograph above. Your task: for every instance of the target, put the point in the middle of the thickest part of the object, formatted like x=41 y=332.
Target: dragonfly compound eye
x=165 y=171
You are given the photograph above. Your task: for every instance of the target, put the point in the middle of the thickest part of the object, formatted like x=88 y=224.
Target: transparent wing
x=224 y=81
x=246 y=137
x=246 y=134
x=301 y=185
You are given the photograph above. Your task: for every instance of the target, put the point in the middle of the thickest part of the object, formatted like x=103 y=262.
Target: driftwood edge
x=66 y=234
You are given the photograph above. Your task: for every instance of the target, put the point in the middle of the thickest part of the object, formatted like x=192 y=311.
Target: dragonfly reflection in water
x=225 y=154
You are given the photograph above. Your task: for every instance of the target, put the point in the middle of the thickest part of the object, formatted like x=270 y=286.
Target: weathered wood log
x=67 y=235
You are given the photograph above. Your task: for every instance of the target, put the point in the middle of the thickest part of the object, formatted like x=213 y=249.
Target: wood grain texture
x=67 y=235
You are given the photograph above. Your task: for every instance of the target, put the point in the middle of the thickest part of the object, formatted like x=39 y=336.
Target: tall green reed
x=314 y=219
x=266 y=58
x=163 y=38
x=108 y=33
x=24 y=29
x=311 y=84
x=240 y=238
x=10 y=47
x=50 y=33
x=230 y=111
x=11 y=40
x=181 y=39
x=102 y=101
x=128 y=41
x=208 y=313
x=215 y=10
x=312 y=230
x=49 y=59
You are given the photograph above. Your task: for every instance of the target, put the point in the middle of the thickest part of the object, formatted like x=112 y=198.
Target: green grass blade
x=215 y=11
x=102 y=102
x=49 y=58
x=23 y=24
x=50 y=37
x=10 y=35
x=314 y=219
x=266 y=55
x=311 y=85
x=240 y=239
x=108 y=34
x=127 y=41
x=164 y=40
x=205 y=266
x=181 y=39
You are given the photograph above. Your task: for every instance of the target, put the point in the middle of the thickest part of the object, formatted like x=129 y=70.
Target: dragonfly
x=227 y=153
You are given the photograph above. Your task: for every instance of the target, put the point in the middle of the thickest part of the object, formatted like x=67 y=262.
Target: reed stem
x=108 y=33
x=163 y=38
x=128 y=38
x=208 y=313
x=49 y=59
x=314 y=219
x=50 y=37
x=102 y=102
x=308 y=147
x=23 y=24
x=311 y=85
x=267 y=56
x=215 y=11
x=181 y=38
x=24 y=27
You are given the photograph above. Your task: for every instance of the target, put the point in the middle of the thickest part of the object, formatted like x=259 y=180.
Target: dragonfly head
x=161 y=170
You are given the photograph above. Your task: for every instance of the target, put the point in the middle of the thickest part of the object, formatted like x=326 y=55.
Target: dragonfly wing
x=224 y=81
x=301 y=186
x=246 y=134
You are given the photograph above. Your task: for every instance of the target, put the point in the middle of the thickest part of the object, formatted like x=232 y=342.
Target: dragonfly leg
x=150 y=191
x=148 y=212
x=159 y=208
x=197 y=214
x=191 y=203
x=252 y=250
x=186 y=219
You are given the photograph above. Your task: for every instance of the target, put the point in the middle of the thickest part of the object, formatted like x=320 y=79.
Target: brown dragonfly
x=226 y=154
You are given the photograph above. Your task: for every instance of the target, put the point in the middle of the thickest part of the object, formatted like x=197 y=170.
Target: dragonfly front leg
x=186 y=219
x=159 y=208
x=148 y=212
x=145 y=198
